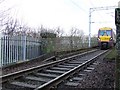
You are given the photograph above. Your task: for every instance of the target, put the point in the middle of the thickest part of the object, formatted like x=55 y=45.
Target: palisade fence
x=17 y=48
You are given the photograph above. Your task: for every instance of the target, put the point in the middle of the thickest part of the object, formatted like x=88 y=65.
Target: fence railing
x=17 y=48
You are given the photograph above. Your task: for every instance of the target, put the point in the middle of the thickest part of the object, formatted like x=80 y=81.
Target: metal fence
x=18 y=48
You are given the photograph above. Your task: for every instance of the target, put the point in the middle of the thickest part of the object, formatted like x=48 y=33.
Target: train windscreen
x=105 y=32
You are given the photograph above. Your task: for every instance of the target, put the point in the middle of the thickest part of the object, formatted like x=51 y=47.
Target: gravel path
x=103 y=76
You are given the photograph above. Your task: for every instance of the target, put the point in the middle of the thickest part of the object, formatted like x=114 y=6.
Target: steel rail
x=29 y=70
x=64 y=76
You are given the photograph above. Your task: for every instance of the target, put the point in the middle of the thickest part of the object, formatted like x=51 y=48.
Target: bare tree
x=59 y=31
x=1 y=11
x=10 y=27
x=4 y=13
x=76 y=37
x=14 y=27
x=72 y=35
x=73 y=31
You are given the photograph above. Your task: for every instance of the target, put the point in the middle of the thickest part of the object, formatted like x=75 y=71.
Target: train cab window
x=105 y=32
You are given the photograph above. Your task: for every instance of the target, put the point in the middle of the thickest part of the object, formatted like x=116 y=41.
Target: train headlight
x=111 y=39
x=98 y=39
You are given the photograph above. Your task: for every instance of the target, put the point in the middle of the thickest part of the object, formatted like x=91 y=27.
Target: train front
x=105 y=39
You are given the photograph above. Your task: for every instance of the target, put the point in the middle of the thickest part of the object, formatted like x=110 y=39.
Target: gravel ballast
x=103 y=76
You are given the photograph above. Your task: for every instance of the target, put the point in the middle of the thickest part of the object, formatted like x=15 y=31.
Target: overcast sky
x=63 y=13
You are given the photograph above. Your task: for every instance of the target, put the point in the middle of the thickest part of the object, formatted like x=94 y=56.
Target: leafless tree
x=59 y=31
x=72 y=35
x=73 y=31
x=77 y=36
x=4 y=13
x=14 y=27
x=1 y=11
x=10 y=27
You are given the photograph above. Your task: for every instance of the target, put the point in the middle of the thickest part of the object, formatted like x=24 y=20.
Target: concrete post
x=89 y=44
x=117 y=22
x=118 y=57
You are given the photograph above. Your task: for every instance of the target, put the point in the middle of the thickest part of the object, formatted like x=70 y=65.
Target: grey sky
x=63 y=13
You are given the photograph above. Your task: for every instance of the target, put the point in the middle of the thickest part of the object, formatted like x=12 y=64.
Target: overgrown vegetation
x=111 y=55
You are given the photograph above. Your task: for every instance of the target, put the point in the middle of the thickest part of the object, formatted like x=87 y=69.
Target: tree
x=10 y=27
x=76 y=37
x=4 y=13
x=59 y=31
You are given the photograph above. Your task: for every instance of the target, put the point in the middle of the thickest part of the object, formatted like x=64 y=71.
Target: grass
x=111 y=55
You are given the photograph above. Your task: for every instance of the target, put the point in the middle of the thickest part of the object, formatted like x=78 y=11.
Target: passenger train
x=106 y=38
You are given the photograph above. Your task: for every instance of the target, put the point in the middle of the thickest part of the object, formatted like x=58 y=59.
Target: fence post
x=0 y=50
x=0 y=60
x=24 y=48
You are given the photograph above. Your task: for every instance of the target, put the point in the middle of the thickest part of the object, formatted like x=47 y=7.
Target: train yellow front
x=106 y=38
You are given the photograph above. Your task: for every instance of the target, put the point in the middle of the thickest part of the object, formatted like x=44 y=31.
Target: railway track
x=49 y=75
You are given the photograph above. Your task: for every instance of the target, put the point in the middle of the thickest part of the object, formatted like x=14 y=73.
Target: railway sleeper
x=47 y=75
x=22 y=84
x=65 y=66
x=60 y=68
x=55 y=71
x=37 y=78
x=74 y=84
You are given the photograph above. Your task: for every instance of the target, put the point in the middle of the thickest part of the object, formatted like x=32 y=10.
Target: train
x=106 y=38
